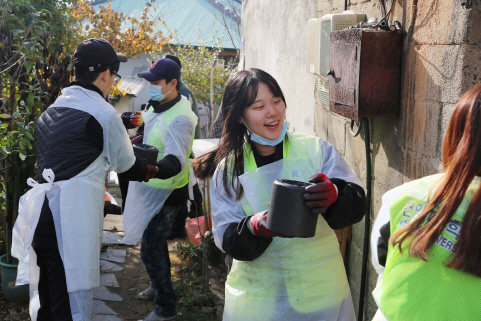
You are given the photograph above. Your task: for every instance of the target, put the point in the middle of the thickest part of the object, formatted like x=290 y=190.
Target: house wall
x=441 y=60
x=131 y=68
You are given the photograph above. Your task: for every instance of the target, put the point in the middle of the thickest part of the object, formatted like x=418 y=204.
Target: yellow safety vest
x=296 y=278
x=159 y=133
x=413 y=289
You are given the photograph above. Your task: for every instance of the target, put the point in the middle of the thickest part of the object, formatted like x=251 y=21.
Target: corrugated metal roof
x=132 y=85
x=194 y=22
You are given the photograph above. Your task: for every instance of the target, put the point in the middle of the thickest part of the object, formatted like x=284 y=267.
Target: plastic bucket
x=126 y=119
x=13 y=294
x=288 y=214
x=147 y=153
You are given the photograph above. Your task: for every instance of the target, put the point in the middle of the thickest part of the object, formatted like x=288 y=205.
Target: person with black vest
x=79 y=137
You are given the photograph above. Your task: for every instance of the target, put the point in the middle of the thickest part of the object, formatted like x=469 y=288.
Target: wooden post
x=211 y=98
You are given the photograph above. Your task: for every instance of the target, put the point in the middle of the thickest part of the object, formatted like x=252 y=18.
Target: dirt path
x=192 y=303
x=132 y=280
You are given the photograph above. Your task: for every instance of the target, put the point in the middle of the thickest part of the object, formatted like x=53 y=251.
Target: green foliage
x=128 y=34
x=193 y=253
x=37 y=38
x=201 y=67
x=190 y=294
x=197 y=63
x=192 y=301
x=3 y=248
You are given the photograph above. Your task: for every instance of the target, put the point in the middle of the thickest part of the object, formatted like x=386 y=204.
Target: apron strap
x=250 y=162
x=48 y=175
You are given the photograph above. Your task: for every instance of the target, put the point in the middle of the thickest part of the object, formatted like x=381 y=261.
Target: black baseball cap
x=163 y=68
x=98 y=54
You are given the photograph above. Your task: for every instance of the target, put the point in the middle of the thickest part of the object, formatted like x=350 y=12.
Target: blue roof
x=192 y=22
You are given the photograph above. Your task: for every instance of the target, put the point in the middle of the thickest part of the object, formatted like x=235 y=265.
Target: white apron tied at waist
x=28 y=214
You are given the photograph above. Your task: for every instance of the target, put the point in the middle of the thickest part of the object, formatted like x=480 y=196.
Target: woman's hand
x=257 y=225
x=320 y=195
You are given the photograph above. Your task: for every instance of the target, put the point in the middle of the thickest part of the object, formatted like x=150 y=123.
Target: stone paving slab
x=114 y=222
x=109 y=266
x=117 y=256
x=101 y=293
x=108 y=279
x=105 y=318
x=99 y=307
x=112 y=238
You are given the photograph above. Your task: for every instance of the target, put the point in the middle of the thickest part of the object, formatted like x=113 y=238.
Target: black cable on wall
x=367 y=221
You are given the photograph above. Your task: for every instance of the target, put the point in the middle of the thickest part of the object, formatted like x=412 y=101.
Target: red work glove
x=257 y=225
x=320 y=195
x=151 y=172
x=137 y=139
x=137 y=119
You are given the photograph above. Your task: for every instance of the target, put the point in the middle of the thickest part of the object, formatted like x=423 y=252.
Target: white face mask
x=265 y=141
x=155 y=92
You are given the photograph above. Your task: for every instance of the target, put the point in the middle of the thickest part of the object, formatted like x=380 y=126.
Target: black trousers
x=52 y=287
x=195 y=210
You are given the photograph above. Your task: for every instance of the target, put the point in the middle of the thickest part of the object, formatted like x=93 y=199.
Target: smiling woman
x=275 y=277
x=265 y=120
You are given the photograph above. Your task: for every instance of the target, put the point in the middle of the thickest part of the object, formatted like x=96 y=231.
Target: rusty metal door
x=344 y=64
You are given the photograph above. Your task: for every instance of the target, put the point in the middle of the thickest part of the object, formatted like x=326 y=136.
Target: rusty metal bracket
x=467 y=3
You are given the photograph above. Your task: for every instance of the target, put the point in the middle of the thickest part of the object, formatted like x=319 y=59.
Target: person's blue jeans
x=155 y=255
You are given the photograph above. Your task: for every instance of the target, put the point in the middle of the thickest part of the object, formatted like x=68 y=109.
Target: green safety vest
x=295 y=278
x=413 y=289
x=159 y=133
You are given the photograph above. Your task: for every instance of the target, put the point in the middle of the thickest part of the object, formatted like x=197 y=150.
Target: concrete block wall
x=275 y=41
x=441 y=60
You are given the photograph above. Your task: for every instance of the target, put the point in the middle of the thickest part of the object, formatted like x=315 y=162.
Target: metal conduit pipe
x=367 y=221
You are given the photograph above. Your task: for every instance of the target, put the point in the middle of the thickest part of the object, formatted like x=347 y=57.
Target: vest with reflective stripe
x=159 y=132
x=413 y=289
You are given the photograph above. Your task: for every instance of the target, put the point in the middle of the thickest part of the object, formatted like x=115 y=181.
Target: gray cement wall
x=275 y=41
x=441 y=60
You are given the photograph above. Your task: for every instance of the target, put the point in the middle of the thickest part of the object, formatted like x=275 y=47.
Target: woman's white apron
x=296 y=278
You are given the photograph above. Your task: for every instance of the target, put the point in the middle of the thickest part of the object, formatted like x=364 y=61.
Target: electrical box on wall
x=318 y=40
x=365 y=73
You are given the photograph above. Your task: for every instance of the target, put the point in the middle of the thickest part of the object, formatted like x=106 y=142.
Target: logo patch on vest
x=413 y=209
x=297 y=173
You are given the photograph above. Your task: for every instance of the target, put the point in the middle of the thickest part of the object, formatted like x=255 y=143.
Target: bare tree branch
x=224 y=20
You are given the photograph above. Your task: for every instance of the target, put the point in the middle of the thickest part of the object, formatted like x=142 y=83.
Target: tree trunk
x=8 y=215
x=211 y=99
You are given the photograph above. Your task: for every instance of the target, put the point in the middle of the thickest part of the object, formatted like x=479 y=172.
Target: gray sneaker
x=148 y=294
x=154 y=317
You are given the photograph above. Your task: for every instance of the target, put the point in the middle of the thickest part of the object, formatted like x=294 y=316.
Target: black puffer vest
x=63 y=144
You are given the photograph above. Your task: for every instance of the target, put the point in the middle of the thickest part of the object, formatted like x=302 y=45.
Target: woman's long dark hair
x=462 y=162
x=240 y=93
